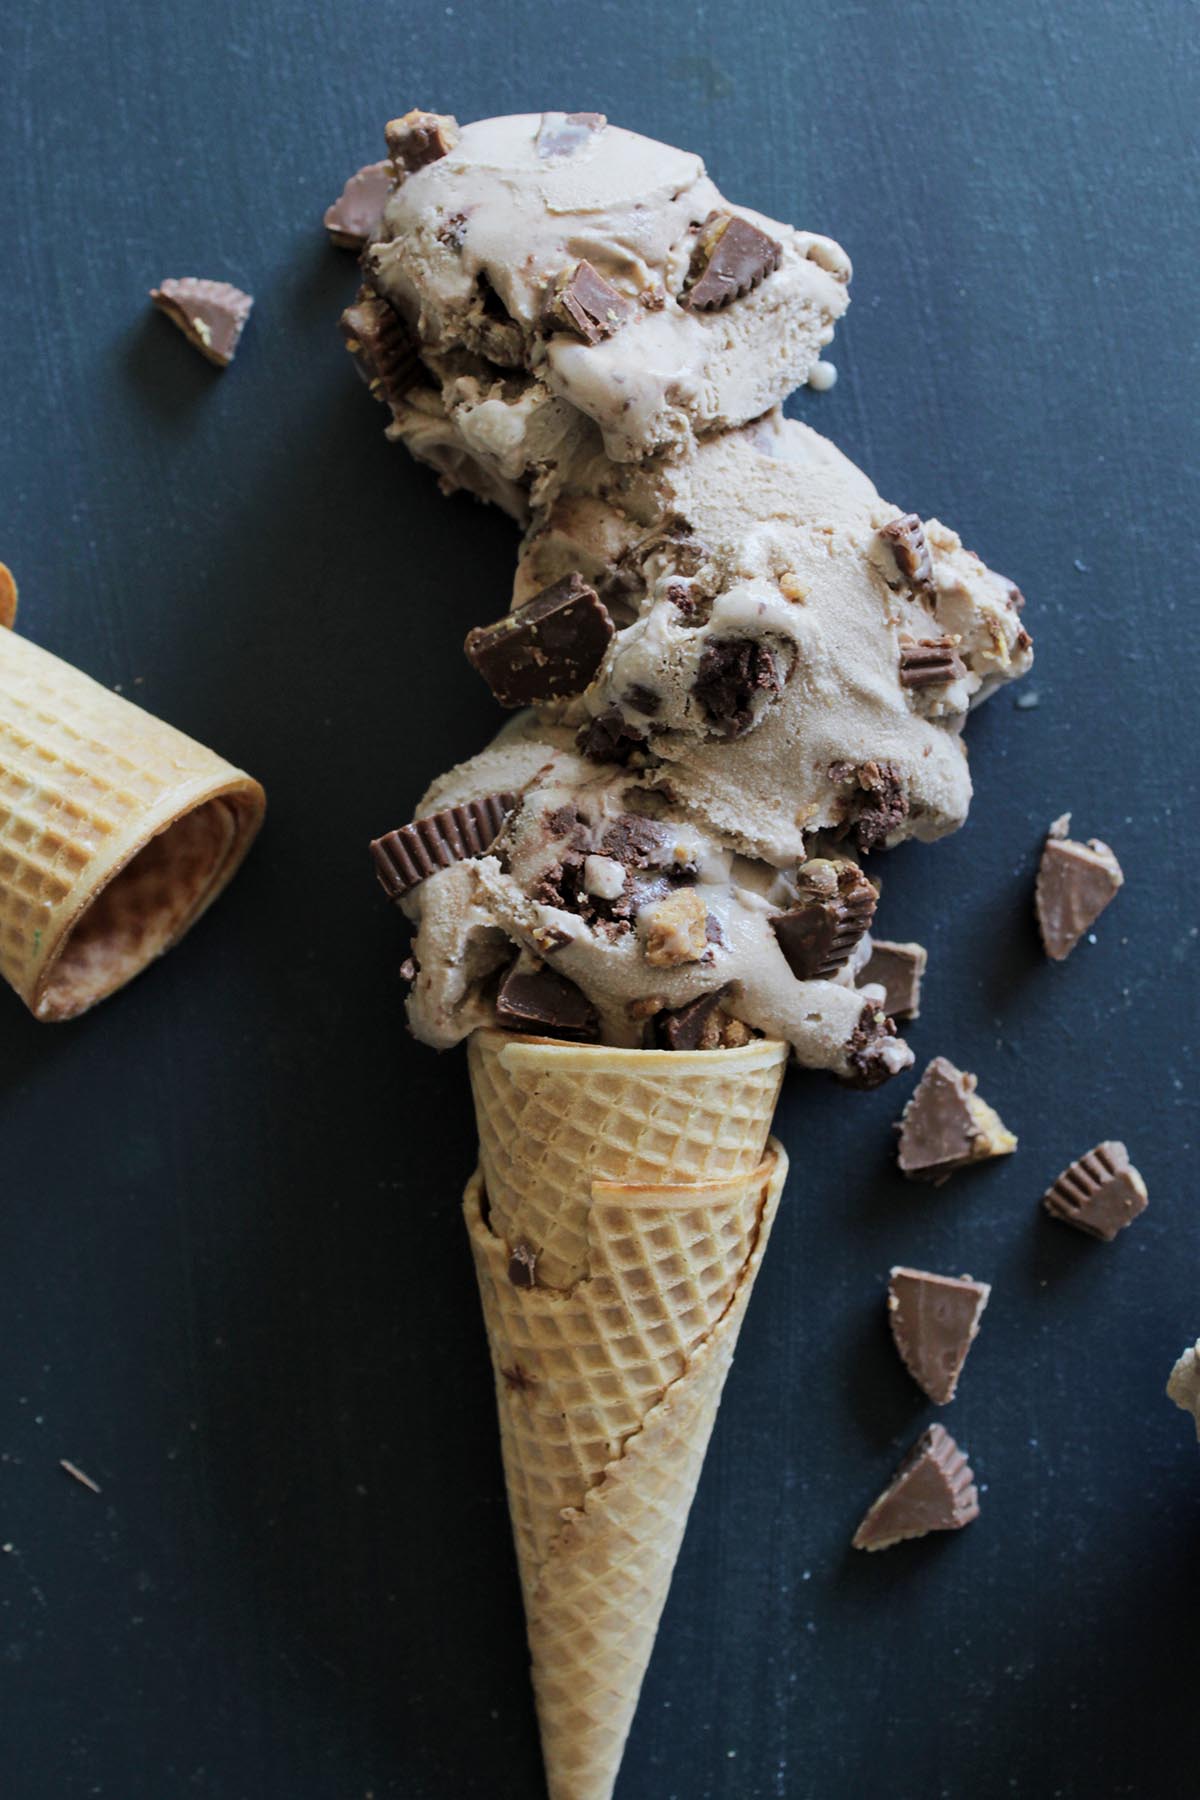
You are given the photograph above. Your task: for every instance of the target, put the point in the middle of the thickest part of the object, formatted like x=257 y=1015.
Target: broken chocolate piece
x=905 y=538
x=731 y=258
x=930 y=662
x=379 y=341
x=548 y=649
x=835 y=906
x=695 y=1026
x=946 y=1125
x=1075 y=883
x=932 y=1490
x=356 y=215
x=410 y=855
x=583 y=302
x=897 y=969
x=934 y=1321
x=210 y=314
x=1101 y=1193
x=880 y=806
x=522 y=1266
x=734 y=673
x=870 y=1052
x=609 y=737
x=537 y=999
x=561 y=134
x=419 y=138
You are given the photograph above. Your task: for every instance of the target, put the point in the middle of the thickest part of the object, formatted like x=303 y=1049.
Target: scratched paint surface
x=234 y=1290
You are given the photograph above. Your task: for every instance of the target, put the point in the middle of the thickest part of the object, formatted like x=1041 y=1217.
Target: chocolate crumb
x=867 y=1050
x=453 y=231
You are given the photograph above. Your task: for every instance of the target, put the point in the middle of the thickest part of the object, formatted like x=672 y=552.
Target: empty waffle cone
x=609 y=1369
x=116 y=832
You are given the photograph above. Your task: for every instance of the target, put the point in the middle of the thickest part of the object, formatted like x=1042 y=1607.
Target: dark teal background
x=234 y=1285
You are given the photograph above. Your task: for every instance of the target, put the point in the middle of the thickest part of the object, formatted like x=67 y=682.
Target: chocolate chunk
x=835 y=906
x=1099 y=1194
x=382 y=347
x=897 y=969
x=934 y=1321
x=210 y=314
x=356 y=215
x=932 y=1490
x=643 y=700
x=946 y=1125
x=1075 y=883
x=731 y=258
x=640 y=843
x=695 y=1026
x=561 y=134
x=419 y=138
x=540 y=1000
x=522 y=1266
x=733 y=674
x=880 y=805
x=905 y=538
x=583 y=302
x=930 y=662
x=609 y=737
x=406 y=857
x=547 y=649
x=870 y=1052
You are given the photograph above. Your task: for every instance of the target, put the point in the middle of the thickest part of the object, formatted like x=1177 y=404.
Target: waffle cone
x=116 y=832
x=609 y=1375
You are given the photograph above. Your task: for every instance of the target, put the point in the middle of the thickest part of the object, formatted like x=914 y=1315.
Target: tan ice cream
x=795 y=653
x=690 y=316
x=1184 y=1385
x=641 y=912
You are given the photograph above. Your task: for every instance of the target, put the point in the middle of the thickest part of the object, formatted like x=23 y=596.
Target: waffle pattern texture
x=553 y=1118
x=608 y=1385
x=116 y=832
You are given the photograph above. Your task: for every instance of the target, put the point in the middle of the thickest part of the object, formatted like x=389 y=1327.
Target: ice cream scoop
x=596 y=879
x=600 y=273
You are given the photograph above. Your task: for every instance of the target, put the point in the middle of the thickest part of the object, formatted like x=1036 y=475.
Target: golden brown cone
x=607 y=1387
x=116 y=832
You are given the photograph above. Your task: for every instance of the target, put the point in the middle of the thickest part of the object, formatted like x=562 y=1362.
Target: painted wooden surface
x=234 y=1285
